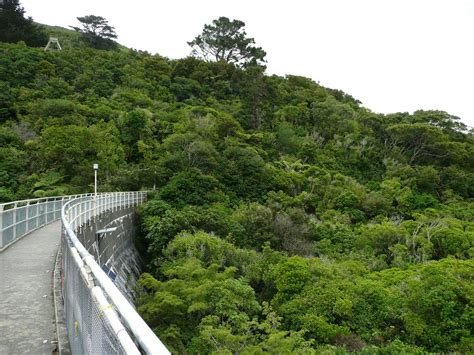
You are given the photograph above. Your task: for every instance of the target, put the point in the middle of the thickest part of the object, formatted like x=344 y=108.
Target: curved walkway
x=27 y=320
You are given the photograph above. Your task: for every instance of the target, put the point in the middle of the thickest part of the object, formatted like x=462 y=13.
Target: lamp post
x=96 y=167
x=154 y=176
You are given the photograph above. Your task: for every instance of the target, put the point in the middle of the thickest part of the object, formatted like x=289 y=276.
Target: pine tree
x=15 y=27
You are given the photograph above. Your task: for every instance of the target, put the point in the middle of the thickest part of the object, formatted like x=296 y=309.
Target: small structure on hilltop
x=53 y=44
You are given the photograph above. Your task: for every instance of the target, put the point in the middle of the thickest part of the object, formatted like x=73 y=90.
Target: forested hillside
x=287 y=217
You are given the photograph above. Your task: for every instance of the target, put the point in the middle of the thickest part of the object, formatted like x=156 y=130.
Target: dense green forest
x=287 y=218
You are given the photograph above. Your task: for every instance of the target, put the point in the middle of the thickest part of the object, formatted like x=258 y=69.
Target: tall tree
x=15 y=27
x=96 y=32
x=226 y=40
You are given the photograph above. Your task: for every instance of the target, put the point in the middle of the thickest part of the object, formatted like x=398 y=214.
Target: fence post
x=1 y=227
x=37 y=214
x=27 y=219
x=14 y=222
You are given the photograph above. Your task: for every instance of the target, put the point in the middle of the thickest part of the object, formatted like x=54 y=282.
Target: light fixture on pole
x=96 y=167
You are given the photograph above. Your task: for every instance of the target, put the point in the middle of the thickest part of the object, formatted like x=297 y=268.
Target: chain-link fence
x=99 y=318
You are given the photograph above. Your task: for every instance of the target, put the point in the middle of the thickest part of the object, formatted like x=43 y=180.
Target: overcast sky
x=393 y=55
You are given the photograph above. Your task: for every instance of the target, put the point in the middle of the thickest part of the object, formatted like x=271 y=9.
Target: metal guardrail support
x=98 y=317
x=20 y=218
x=124 y=321
x=1 y=227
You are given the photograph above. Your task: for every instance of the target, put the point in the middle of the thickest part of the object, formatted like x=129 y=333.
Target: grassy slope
x=68 y=38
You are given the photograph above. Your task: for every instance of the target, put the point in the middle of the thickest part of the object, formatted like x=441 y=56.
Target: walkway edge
x=5 y=247
x=61 y=331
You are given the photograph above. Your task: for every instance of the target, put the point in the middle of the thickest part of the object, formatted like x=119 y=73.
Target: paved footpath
x=27 y=322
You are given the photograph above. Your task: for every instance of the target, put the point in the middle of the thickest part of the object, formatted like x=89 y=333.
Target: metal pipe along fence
x=99 y=318
x=20 y=218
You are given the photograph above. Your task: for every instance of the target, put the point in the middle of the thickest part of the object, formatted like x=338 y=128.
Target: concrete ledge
x=60 y=318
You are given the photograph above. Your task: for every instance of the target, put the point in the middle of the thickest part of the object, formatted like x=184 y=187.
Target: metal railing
x=20 y=218
x=99 y=318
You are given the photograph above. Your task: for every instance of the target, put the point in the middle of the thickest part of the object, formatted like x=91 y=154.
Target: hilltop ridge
x=286 y=217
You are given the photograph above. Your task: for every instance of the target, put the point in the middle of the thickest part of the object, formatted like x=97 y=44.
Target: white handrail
x=43 y=199
x=19 y=218
x=140 y=331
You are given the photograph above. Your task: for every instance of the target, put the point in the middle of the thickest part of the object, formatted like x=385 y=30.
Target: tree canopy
x=226 y=40
x=96 y=32
x=287 y=217
x=15 y=27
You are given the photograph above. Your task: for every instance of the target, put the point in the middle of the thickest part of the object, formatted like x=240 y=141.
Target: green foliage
x=13 y=161
x=244 y=172
x=192 y=188
x=226 y=40
x=287 y=218
x=203 y=306
x=71 y=150
x=14 y=27
x=68 y=39
x=96 y=32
